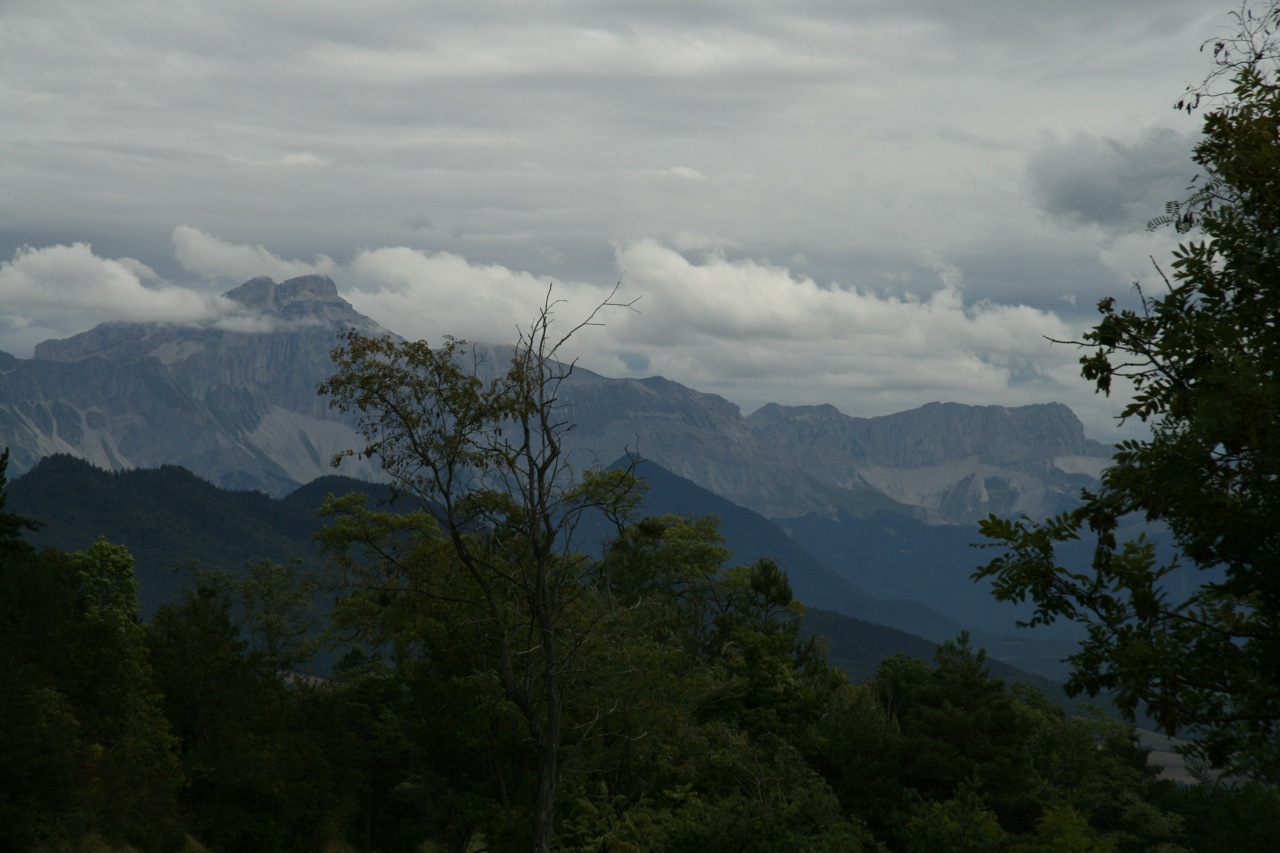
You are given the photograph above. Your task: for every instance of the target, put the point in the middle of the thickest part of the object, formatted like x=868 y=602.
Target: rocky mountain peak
x=232 y=396
x=305 y=299
x=263 y=294
x=308 y=303
x=937 y=433
x=776 y=413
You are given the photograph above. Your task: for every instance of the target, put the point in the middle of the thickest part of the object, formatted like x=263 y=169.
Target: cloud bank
x=206 y=255
x=56 y=290
x=752 y=331
x=846 y=138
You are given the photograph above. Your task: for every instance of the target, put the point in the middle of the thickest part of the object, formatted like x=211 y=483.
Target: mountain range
x=873 y=517
x=174 y=523
x=237 y=405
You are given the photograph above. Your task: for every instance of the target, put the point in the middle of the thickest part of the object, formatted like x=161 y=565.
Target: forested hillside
x=697 y=719
x=176 y=525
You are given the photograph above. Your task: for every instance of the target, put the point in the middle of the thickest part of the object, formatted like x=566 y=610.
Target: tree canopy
x=1202 y=355
x=487 y=462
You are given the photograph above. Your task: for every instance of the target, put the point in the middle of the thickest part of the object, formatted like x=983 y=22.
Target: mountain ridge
x=170 y=519
x=235 y=401
x=954 y=462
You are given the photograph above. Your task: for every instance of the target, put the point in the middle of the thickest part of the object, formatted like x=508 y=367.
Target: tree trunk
x=545 y=807
x=549 y=751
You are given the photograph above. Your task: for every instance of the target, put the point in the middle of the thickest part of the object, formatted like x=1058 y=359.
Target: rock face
x=704 y=438
x=236 y=404
x=958 y=463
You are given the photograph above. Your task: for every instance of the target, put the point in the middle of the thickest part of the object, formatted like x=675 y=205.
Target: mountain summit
x=257 y=307
x=233 y=399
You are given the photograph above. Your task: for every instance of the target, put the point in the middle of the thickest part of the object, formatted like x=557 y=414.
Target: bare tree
x=487 y=459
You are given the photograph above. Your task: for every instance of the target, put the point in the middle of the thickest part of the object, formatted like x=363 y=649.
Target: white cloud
x=752 y=331
x=71 y=281
x=537 y=136
x=717 y=323
x=749 y=330
x=712 y=141
x=303 y=158
x=209 y=256
x=684 y=172
x=1134 y=257
x=291 y=158
x=428 y=295
x=58 y=291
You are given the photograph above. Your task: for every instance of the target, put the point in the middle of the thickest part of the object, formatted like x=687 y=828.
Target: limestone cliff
x=957 y=462
x=233 y=400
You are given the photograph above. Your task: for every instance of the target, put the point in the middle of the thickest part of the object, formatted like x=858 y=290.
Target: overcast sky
x=869 y=203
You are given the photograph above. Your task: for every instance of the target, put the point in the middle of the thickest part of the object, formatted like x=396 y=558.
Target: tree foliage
x=88 y=749
x=1203 y=359
x=487 y=460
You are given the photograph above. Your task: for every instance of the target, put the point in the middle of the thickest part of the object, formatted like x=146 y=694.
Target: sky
x=867 y=203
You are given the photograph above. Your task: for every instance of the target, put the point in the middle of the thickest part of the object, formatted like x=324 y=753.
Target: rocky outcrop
x=956 y=462
x=705 y=439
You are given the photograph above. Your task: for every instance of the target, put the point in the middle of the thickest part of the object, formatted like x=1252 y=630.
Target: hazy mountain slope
x=893 y=556
x=750 y=536
x=703 y=438
x=857 y=647
x=168 y=517
x=958 y=463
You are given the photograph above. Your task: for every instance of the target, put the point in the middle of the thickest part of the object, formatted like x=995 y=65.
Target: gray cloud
x=1100 y=181
x=755 y=332
x=842 y=142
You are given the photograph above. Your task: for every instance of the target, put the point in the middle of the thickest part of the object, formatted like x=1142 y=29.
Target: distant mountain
x=703 y=438
x=236 y=404
x=871 y=516
x=957 y=463
x=168 y=518
x=749 y=537
x=858 y=647
x=888 y=569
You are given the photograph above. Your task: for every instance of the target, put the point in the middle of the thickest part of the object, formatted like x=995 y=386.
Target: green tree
x=87 y=748
x=254 y=751
x=280 y=624
x=953 y=728
x=716 y=702
x=945 y=757
x=470 y=763
x=11 y=526
x=1203 y=360
x=487 y=459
